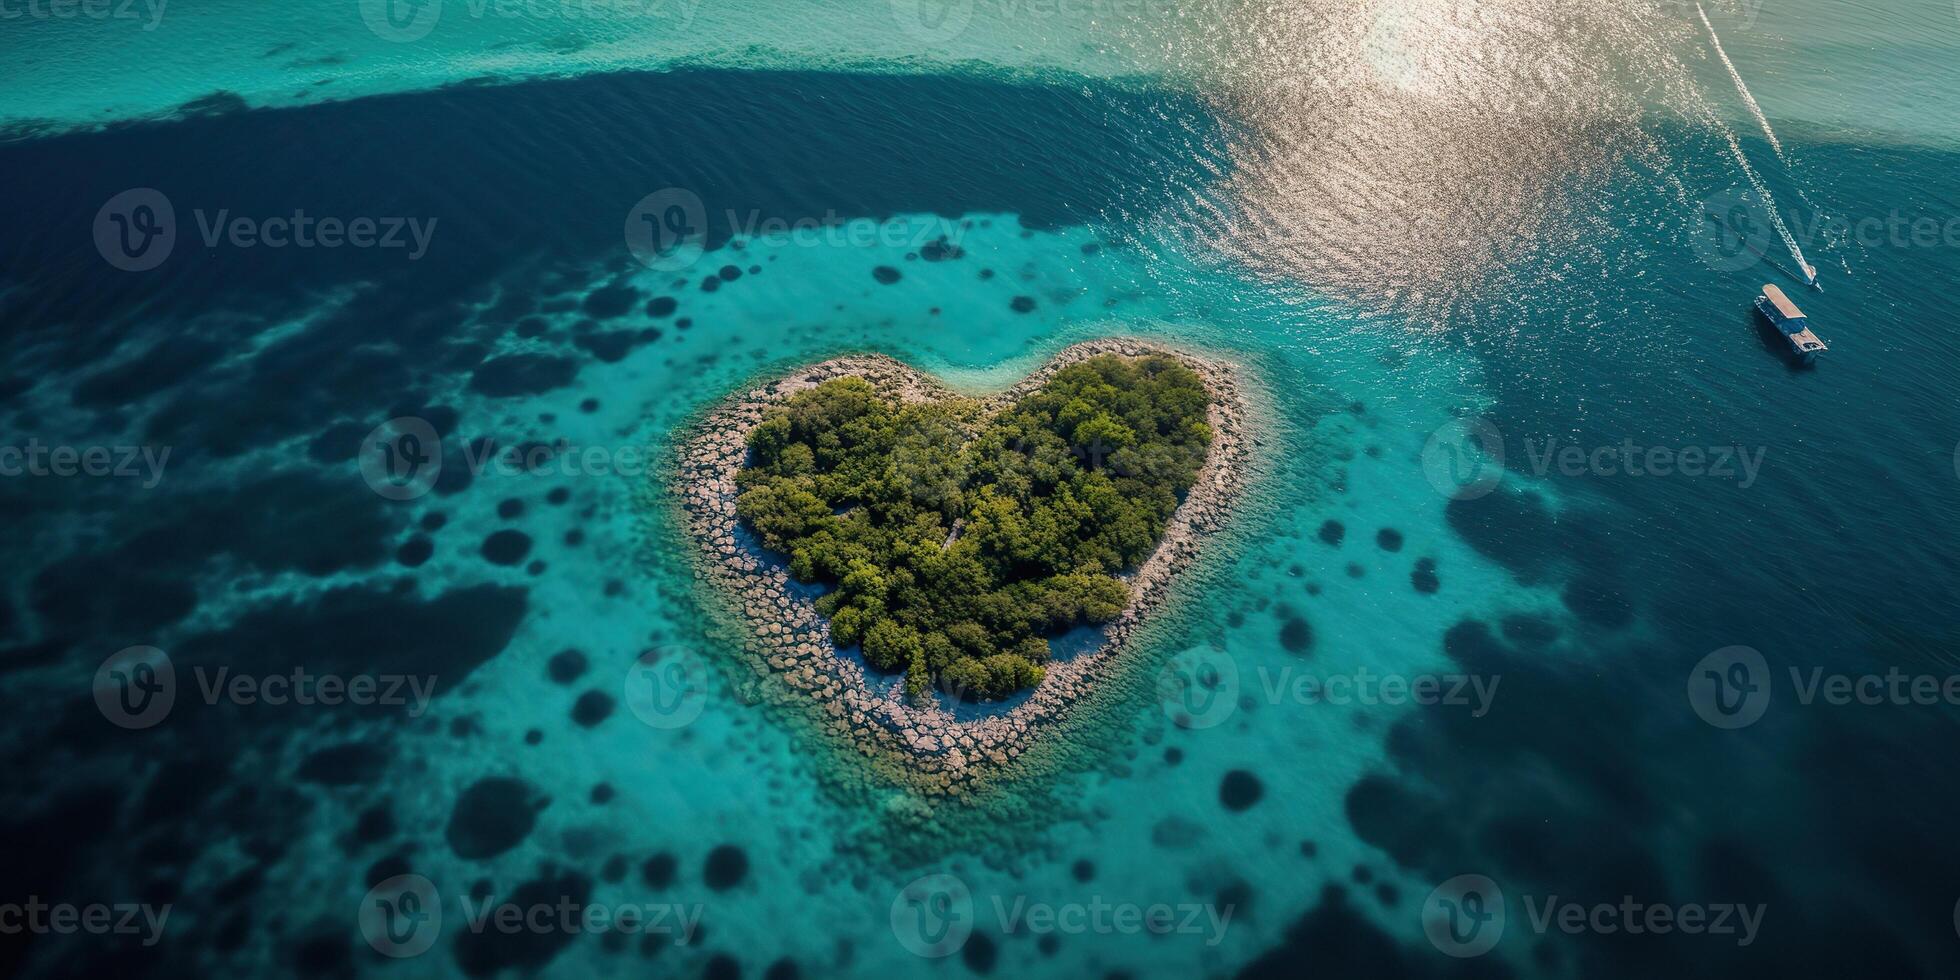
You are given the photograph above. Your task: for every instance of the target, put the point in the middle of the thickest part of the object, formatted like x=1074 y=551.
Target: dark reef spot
x=567 y=666
x=610 y=301
x=591 y=708
x=1424 y=577
x=415 y=551
x=485 y=952
x=558 y=495
x=611 y=346
x=522 y=374
x=782 y=969
x=729 y=273
x=979 y=953
x=494 y=815
x=1022 y=304
x=722 y=966
x=533 y=736
x=389 y=867
x=1083 y=869
x=710 y=284
x=662 y=307
x=727 y=866
x=434 y=520
x=1173 y=755
x=506 y=547
x=659 y=870
x=1389 y=539
x=602 y=794
x=510 y=508
x=614 y=870
x=1239 y=790
x=940 y=250
x=375 y=824
x=1296 y=635
x=1333 y=532
x=885 y=274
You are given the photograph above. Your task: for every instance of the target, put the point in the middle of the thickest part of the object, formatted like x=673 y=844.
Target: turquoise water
x=1397 y=218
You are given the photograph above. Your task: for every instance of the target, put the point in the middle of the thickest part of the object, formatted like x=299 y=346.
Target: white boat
x=1790 y=321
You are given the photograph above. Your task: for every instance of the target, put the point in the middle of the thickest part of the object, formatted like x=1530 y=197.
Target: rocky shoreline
x=791 y=643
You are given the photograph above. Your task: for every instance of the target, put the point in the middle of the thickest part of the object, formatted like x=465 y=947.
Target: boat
x=1790 y=321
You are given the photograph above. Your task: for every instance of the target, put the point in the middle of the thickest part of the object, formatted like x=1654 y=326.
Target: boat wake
x=1735 y=146
x=1769 y=206
x=1747 y=99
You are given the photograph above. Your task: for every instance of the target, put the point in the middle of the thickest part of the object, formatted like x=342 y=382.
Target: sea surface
x=1448 y=241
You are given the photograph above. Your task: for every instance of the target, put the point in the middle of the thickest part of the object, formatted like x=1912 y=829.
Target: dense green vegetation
x=955 y=545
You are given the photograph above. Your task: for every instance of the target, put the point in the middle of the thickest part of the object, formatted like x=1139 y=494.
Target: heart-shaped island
x=859 y=508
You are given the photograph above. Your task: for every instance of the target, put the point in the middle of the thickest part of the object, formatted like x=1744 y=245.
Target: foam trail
x=1747 y=99
x=1769 y=203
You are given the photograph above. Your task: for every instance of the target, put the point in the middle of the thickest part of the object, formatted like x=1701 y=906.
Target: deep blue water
x=1593 y=597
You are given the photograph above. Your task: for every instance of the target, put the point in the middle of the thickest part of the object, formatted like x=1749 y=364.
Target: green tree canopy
x=955 y=546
